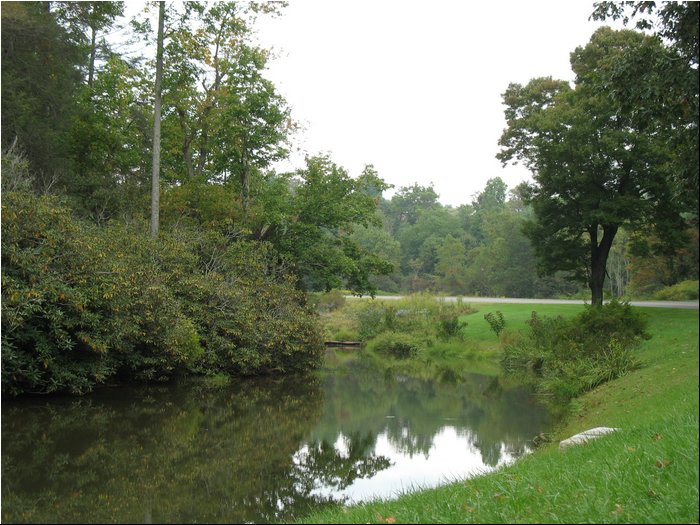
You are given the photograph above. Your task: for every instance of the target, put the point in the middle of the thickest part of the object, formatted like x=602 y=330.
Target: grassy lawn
x=645 y=473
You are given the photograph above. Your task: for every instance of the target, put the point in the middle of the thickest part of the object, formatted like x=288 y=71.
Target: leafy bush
x=418 y=314
x=370 y=319
x=495 y=321
x=329 y=301
x=451 y=327
x=84 y=304
x=395 y=344
x=569 y=357
x=683 y=291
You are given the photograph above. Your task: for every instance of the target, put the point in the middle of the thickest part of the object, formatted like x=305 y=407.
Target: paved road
x=688 y=305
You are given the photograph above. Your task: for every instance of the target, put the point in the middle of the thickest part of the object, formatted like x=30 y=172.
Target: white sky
x=415 y=87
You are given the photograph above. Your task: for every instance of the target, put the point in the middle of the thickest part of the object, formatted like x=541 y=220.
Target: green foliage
x=371 y=319
x=589 y=180
x=83 y=305
x=450 y=326
x=40 y=77
x=570 y=356
x=329 y=301
x=326 y=204
x=683 y=291
x=398 y=345
x=110 y=134
x=422 y=315
x=495 y=321
x=672 y=83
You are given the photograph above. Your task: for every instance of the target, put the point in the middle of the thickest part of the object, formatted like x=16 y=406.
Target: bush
x=569 y=357
x=371 y=317
x=495 y=321
x=683 y=291
x=451 y=327
x=417 y=314
x=395 y=344
x=83 y=304
x=329 y=301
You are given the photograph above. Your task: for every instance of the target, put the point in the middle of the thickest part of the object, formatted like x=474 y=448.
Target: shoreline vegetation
x=645 y=473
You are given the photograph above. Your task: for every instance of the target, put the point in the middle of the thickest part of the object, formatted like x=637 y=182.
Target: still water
x=258 y=450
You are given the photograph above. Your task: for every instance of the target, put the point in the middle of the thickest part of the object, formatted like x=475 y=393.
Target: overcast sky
x=414 y=88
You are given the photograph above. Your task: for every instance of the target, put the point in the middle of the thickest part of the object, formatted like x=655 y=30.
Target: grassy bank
x=645 y=473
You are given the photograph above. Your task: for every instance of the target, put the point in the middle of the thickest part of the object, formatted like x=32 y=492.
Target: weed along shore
x=646 y=471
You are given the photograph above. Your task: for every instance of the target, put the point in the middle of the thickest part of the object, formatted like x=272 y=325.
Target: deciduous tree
x=596 y=165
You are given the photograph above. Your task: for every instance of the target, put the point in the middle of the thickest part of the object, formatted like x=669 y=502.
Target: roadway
x=688 y=305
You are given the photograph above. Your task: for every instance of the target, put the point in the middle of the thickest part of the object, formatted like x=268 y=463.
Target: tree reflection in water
x=260 y=450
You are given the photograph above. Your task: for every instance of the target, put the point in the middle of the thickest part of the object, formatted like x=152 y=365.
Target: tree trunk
x=155 y=183
x=245 y=182
x=93 y=53
x=599 y=261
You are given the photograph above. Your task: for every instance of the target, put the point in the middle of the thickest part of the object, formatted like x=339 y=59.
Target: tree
x=325 y=206
x=673 y=82
x=451 y=265
x=493 y=196
x=596 y=165
x=41 y=73
x=91 y=17
x=223 y=121
x=155 y=182
x=405 y=207
x=110 y=135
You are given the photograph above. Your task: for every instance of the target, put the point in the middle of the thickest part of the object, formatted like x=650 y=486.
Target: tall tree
x=155 y=188
x=596 y=165
x=405 y=207
x=84 y=22
x=41 y=73
x=671 y=85
x=225 y=122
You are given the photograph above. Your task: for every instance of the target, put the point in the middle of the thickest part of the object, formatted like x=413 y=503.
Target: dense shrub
x=683 y=291
x=83 y=305
x=328 y=301
x=449 y=326
x=399 y=345
x=418 y=314
x=569 y=357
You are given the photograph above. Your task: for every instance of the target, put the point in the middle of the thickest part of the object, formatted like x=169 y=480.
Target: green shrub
x=83 y=304
x=395 y=344
x=495 y=321
x=416 y=314
x=683 y=291
x=370 y=319
x=569 y=357
x=451 y=327
x=329 y=301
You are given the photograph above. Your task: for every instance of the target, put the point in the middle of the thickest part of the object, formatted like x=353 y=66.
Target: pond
x=257 y=450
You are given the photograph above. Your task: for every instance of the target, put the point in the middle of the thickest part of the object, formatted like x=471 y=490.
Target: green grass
x=645 y=473
x=515 y=315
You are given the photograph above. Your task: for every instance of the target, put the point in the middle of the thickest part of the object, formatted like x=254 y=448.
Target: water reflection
x=257 y=451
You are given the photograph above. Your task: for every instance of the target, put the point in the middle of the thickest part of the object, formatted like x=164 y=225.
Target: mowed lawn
x=647 y=472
